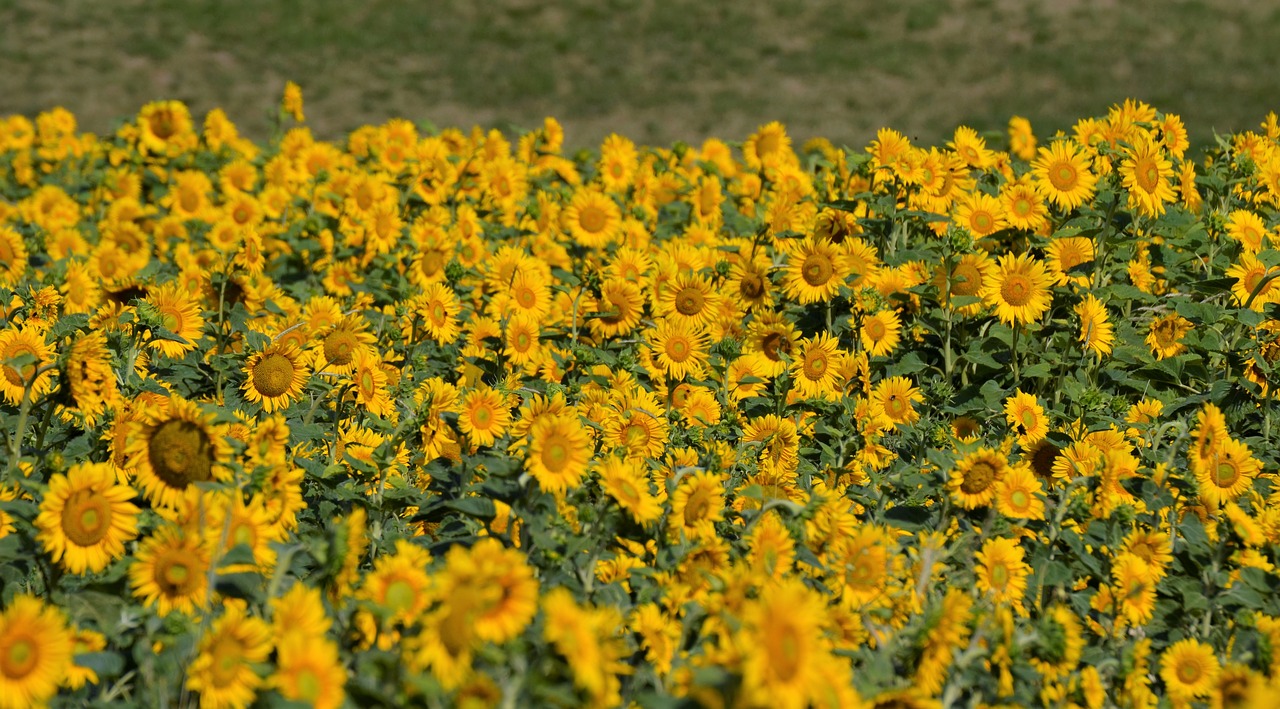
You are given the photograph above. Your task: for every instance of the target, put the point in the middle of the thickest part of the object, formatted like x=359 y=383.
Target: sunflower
x=1226 y=472
x=688 y=299
x=337 y=350
x=178 y=313
x=1059 y=643
x=974 y=481
x=1248 y=229
x=170 y=571
x=1062 y=174
x=946 y=630
x=13 y=257
x=784 y=645
x=590 y=640
x=1018 y=494
x=1097 y=334
x=1134 y=588
x=275 y=376
x=559 y=450
x=484 y=415
x=1146 y=172
x=500 y=585
x=679 y=348
x=299 y=612
x=1026 y=416
x=771 y=337
x=696 y=505
x=400 y=584
x=1019 y=290
x=619 y=308
x=165 y=128
x=90 y=379
x=814 y=370
x=308 y=670
x=879 y=332
x=83 y=642
x=371 y=383
x=25 y=342
x=1002 y=572
x=1256 y=283
x=969 y=275
x=1024 y=207
x=528 y=292
x=85 y=518
x=625 y=481
x=438 y=307
x=35 y=652
x=592 y=219
x=223 y=671
x=815 y=271
x=1189 y=669
x=980 y=214
x=1165 y=334
x=638 y=423
x=748 y=284
x=175 y=448
x=1066 y=253
x=895 y=397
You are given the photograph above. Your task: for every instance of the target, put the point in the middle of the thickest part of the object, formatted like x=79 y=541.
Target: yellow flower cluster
x=455 y=418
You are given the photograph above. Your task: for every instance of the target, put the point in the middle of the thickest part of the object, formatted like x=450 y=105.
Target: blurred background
x=657 y=71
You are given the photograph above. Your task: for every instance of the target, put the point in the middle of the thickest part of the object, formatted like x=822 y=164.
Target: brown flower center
x=978 y=478
x=817 y=269
x=86 y=518
x=1016 y=290
x=689 y=301
x=20 y=659
x=181 y=453
x=340 y=346
x=592 y=219
x=273 y=375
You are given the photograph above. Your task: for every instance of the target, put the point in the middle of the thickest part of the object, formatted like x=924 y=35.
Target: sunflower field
x=443 y=418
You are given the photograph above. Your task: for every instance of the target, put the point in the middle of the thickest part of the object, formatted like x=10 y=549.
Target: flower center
x=815 y=365
x=399 y=596
x=20 y=659
x=227 y=661
x=875 y=329
x=86 y=518
x=689 y=301
x=965 y=280
x=1028 y=418
x=817 y=269
x=1227 y=474
x=999 y=577
x=784 y=652
x=751 y=286
x=773 y=344
x=555 y=453
x=273 y=374
x=1019 y=499
x=977 y=479
x=181 y=453
x=1188 y=672
x=12 y=375
x=1016 y=290
x=592 y=219
x=1063 y=176
x=340 y=346
x=1148 y=175
x=174 y=577
x=678 y=349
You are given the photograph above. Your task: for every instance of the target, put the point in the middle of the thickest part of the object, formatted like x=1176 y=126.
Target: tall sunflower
x=592 y=218
x=170 y=571
x=896 y=398
x=1065 y=253
x=1026 y=417
x=973 y=482
x=85 y=518
x=1189 y=669
x=223 y=672
x=35 y=652
x=814 y=370
x=679 y=348
x=309 y=670
x=1019 y=289
x=1226 y=473
x=1097 y=334
x=1018 y=494
x=484 y=415
x=1165 y=334
x=815 y=271
x=275 y=376
x=689 y=299
x=173 y=448
x=967 y=278
x=879 y=332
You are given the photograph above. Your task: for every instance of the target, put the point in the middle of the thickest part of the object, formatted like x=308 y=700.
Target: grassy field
x=656 y=71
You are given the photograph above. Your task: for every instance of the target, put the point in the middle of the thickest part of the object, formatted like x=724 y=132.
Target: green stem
x=1013 y=355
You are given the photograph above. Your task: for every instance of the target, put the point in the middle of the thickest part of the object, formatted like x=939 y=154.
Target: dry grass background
x=658 y=71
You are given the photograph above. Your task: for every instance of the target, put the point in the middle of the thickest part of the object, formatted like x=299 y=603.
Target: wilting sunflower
x=625 y=481
x=275 y=376
x=974 y=480
x=85 y=518
x=170 y=571
x=18 y=343
x=814 y=370
x=35 y=652
x=1189 y=669
x=308 y=670
x=1062 y=174
x=815 y=271
x=1002 y=572
x=679 y=348
x=175 y=448
x=879 y=332
x=223 y=671
x=1166 y=333
x=1146 y=172
x=179 y=313
x=559 y=450
x=1019 y=289
x=1026 y=417
x=1097 y=334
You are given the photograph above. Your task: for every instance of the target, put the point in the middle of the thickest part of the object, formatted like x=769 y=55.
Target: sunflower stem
x=1013 y=355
